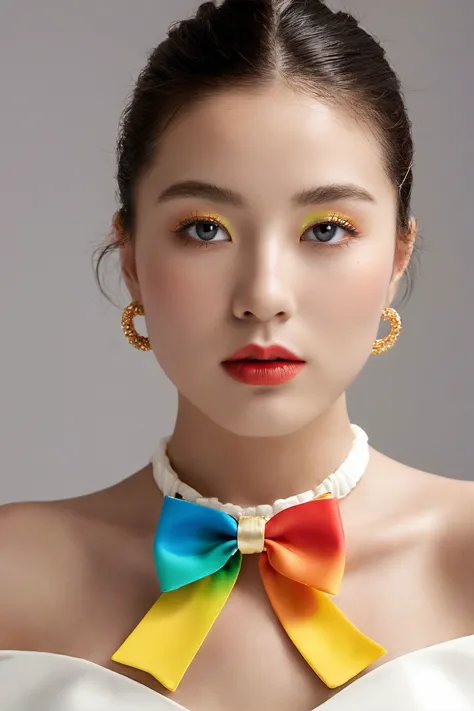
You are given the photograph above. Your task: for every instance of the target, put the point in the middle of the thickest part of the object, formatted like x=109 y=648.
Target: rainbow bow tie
x=198 y=554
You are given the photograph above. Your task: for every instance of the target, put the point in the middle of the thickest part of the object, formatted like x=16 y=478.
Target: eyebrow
x=311 y=196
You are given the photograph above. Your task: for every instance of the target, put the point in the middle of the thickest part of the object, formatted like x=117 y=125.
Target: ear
x=127 y=258
x=403 y=254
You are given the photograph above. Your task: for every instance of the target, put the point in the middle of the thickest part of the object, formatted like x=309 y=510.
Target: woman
x=265 y=174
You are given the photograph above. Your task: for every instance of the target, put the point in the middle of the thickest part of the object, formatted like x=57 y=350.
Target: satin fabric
x=438 y=678
x=198 y=562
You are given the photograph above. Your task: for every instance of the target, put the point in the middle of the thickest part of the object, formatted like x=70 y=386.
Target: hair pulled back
x=251 y=43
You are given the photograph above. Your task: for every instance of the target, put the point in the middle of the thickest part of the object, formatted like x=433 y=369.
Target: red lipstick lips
x=263 y=365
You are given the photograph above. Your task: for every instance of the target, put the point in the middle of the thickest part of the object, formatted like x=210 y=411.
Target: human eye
x=332 y=230
x=202 y=230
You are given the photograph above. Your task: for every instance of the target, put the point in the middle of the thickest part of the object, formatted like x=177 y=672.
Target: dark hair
x=243 y=43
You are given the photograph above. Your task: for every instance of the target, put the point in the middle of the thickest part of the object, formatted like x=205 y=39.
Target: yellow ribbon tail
x=168 y=638
x=333 y=647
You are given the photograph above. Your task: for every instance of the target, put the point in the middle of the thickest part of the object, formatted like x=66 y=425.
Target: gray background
x=80 y=408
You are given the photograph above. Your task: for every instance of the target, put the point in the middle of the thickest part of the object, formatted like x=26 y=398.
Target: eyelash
x=333 y=219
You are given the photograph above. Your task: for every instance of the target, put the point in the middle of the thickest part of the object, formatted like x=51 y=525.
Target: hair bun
x=205 y=11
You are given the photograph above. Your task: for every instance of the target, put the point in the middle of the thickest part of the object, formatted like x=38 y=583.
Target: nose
x=263 y=290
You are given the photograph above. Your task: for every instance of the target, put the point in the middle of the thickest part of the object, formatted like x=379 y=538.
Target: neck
x=248 y=471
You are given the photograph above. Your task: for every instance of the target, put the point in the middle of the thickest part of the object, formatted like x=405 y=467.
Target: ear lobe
x=127 y=258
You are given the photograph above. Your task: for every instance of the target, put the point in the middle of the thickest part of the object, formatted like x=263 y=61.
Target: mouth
x=263 y=365
x=258 y=354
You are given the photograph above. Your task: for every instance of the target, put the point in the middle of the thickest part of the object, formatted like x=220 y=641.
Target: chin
x=266 y=416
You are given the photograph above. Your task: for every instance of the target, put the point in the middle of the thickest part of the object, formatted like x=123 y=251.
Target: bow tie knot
x=251 y=534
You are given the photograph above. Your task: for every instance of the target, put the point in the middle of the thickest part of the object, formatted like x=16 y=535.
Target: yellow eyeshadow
x=203 y=217
x=331 y=216
x=314 y=218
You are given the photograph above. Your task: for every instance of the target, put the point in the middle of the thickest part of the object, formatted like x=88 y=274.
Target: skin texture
x=80 y=571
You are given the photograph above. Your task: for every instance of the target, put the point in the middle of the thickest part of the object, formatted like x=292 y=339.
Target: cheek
x=365 y=291
x=349 y=296
x=181 y=304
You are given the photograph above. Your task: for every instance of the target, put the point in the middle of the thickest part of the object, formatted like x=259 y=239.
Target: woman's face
x=262 y=251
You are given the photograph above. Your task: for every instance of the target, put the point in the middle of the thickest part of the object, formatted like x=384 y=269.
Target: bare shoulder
x=452 y=503
x=61 y=561
x=40 y=557
x=456 y=531
x=446 y=506
x=455 y=548
x=449 y=500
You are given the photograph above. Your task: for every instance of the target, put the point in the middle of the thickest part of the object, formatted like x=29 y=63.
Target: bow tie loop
x=191 y=542
x=306 y=543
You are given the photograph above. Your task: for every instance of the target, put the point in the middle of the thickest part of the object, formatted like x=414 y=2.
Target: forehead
x=271 y=140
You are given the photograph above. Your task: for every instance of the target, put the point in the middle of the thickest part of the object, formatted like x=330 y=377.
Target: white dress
x=438 y=678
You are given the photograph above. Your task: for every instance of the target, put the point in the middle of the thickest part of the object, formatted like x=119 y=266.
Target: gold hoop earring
x=141 y=343
x=382 y=345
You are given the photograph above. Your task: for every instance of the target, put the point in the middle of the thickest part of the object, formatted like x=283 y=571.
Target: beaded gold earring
x=382 y=345
x=141 y=343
